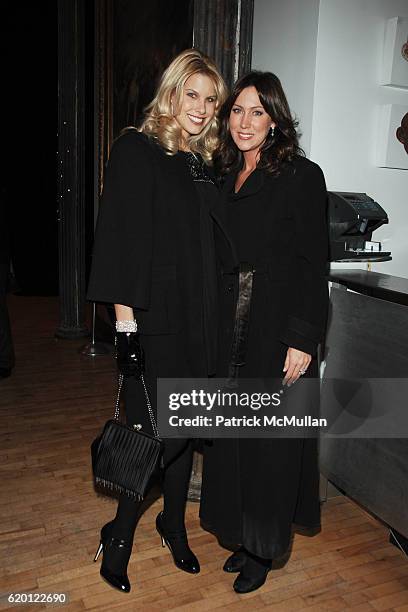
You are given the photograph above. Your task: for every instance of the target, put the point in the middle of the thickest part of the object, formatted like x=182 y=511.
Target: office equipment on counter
x=352 y=219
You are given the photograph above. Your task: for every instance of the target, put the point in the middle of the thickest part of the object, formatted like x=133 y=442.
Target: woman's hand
x=129 y=354
x=296 y=364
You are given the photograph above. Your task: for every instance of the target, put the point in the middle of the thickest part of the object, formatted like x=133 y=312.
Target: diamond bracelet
x=126 y=326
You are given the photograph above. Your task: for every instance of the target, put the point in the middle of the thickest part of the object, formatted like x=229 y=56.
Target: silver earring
x=272 y=131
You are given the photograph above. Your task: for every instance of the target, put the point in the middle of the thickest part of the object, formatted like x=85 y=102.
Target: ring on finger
x=302 y=371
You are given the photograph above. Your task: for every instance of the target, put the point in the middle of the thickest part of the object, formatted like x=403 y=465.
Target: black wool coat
x=148 y=255
x=254 y=489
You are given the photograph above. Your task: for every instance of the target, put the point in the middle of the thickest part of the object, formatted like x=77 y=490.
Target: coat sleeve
x=306 y=322
x=122 y=253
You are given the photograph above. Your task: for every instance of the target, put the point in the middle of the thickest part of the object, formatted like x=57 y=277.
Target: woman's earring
x=272 y=131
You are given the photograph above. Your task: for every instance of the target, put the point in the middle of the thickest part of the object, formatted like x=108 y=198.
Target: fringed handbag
x=123 y=457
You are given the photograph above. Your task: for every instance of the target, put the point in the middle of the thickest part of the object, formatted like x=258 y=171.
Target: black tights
x=177 y=457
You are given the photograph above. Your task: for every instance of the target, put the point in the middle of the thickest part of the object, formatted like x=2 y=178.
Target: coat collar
x=218 y=215
x=252 y=185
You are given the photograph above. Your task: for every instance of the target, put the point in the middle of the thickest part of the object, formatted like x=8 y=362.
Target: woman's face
x=197 y=106
x=249 y=123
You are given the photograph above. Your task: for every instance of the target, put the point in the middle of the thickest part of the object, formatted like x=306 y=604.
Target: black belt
x=261 y=268
x=239 y=345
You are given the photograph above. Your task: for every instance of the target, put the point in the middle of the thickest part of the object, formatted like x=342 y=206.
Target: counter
x=367 y=337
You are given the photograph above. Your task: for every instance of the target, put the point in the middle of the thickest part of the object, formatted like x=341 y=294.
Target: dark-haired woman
x=274 y=208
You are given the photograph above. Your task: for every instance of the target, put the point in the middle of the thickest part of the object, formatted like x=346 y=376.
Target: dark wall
x=29 y=63
x=146 y=37
x=28 y=51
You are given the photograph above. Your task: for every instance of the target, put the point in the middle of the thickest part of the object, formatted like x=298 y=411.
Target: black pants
x=178 y=454
x=6 y=341
x=178 y=458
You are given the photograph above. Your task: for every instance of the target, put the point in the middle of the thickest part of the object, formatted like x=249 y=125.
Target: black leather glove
x=129 y=354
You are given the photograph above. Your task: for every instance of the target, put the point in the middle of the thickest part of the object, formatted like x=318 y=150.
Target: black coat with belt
x=148 y=254
x=254 y=489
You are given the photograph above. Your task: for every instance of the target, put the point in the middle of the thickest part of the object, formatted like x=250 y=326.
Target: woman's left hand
x=296 y=364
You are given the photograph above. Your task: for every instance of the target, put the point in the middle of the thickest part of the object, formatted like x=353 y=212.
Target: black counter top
x=381 y=286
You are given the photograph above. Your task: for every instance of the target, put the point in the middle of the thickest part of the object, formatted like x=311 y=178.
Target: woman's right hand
x=129 y=354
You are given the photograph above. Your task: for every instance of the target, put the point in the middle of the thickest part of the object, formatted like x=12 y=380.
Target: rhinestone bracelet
x=126 y=326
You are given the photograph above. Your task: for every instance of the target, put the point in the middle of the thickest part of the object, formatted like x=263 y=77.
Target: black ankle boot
x=235 y=562
x=116 y=555
x=177 y=543
x=253 y=574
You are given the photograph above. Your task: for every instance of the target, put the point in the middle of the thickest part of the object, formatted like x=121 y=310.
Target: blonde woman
x=154 y=260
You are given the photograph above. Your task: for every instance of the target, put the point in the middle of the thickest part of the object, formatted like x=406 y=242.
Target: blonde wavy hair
x=160 y=122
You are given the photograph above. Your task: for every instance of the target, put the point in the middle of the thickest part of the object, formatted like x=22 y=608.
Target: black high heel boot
x=115 y=552
x=177 y=544
x=236 y=561
x=253 y=574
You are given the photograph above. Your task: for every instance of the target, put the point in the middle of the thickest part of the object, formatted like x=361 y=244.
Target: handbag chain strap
x=149 y=406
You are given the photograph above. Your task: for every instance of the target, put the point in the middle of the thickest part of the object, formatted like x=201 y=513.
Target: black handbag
x=123 y=457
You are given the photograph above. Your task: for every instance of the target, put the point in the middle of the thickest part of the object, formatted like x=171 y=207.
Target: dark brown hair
x=277 y=150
